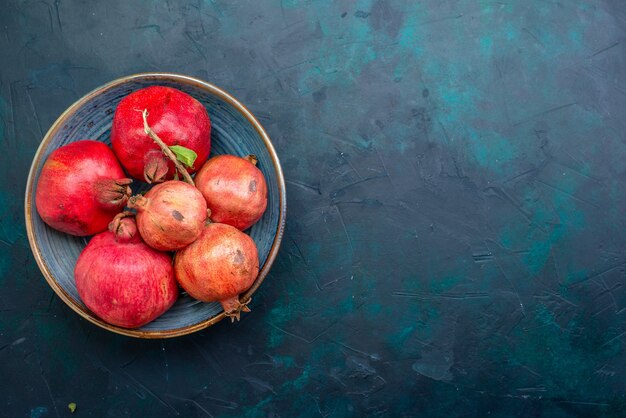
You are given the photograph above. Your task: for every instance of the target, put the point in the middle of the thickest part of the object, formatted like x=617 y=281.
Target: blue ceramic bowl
x=234 y=131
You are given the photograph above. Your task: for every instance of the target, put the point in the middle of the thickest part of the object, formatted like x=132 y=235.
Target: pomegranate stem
x=165 y=148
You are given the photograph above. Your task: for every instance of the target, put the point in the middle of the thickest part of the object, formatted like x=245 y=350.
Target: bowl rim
x=185 y=79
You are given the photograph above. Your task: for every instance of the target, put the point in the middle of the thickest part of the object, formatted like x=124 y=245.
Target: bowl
x=234 y=131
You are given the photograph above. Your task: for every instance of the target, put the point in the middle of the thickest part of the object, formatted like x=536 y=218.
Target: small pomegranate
x=171 y=215
x=176 y=117
x=81 y=188
x=218 y=266
x=234 y=188
x=121 y=279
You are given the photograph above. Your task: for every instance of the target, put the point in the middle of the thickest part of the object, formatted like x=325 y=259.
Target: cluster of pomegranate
x=183 y=232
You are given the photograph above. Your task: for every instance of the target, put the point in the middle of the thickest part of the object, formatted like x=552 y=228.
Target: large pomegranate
x=121 y=279
x=234 y=188
x=218 y=266
x=81 y=188
x=171 y=215
x=176 y=117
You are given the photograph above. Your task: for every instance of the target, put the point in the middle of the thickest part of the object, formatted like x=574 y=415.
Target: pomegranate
x=81 y=188
x=177 y=118
x=218 y=266
x=234 y=188
x=171 y=215
x=121 y=279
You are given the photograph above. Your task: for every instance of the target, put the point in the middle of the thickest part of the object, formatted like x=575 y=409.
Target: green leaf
x=72 y=407
x=184 y=155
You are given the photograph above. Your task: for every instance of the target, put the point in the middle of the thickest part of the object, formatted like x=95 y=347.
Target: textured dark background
x=455 y=242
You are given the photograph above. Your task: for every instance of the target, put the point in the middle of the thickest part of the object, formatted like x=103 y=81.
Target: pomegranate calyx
x=124 y=227
x=138 y=202
x=112 y=193
x=233 y=308
x=155 y=169
x=252 y=159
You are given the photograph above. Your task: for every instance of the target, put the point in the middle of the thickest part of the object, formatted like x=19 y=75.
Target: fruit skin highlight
x=81 y=188
x=218 y=266
x=176 y=117
x=235 y=190
x=170 y=216
x=122 y=280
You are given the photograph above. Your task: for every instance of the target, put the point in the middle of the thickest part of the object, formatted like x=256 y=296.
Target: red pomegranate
x=234 y=188
x=218 y=266
x=81 y=188
x=171 y=215
x=121 y=279
x=176 y=117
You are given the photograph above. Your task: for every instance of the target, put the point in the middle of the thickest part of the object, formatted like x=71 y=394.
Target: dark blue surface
x=455 y=242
